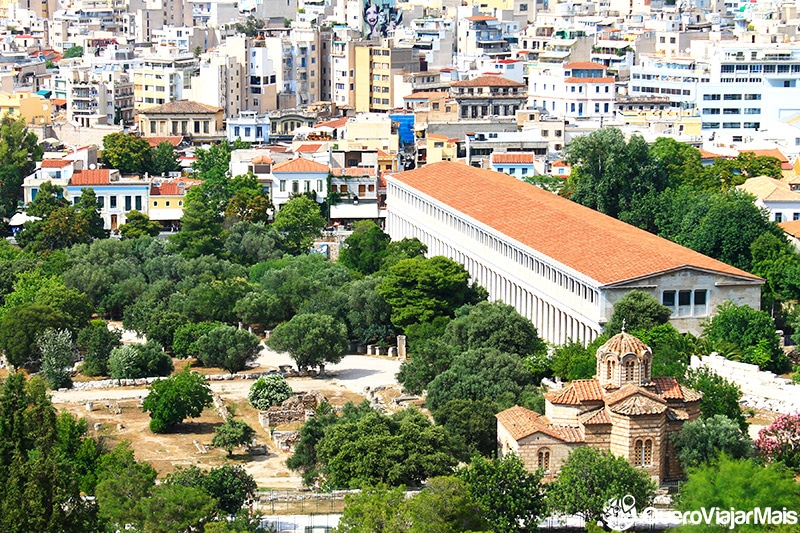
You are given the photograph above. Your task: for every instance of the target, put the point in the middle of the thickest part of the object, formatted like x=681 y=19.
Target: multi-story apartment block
x=248 y=127
x=32 y=107
x=223 y=72
x=94 y=96
x=340 y=75
x=307 y=65
x=434 y=38
x=478 y=36
x=480 y=146
x=574 y=90
x=162 y=78
x=21 y=72
x=375 y=65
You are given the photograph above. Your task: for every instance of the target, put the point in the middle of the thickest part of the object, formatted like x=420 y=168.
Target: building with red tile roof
x=558 y=263
x=622 y=410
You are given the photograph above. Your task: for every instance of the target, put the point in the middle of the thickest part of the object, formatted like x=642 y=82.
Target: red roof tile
x=299 y=164
x=594 y=418
x=308 y=148
x=355 y=172
x=774 y=152
x=601 y=247
x=792 y=227
x=481 y=18
x=155 y=141
x=515 y=158
x=56 y=163
x=335 y=123
x=584 y=65
x=521 y=422
x=577 y=392
x=90 y=177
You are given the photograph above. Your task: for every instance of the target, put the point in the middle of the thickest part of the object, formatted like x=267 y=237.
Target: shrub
x=134 y=361
x=268 y=391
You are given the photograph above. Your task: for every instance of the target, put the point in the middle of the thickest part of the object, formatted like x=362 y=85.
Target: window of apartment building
x=710 y=125
x=752 y=96
x=597 y=108
x=101 y=202
x=128 y=203
x=752 y=125
x=152 y=127
x=138 y=203
x=295 y=187
x=197 y=128
x=282 y=186
x=730 y=111
x=731 y=125
x=711 y=111
x=605 y=107
x=778 y=217
x=752 y=111
x=732 y=97
x=205 y=126
x=112 y=202
x=319 y=186
x=662 y=40
x=795 y=216
x=711 y=97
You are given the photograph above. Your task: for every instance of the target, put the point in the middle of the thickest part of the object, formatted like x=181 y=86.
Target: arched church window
x=630 y=370
x=543 y=461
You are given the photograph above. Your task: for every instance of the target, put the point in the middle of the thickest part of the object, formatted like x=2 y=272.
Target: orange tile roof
x=601 y=247
x=308 y=148
x=710 y=155
x=261 y=160
x=792 y=227
x=584 y=65
x=625 y=343
x=299 y=164
x=90 y=177
x=481 y=18
x=353 y=171
x=589 y=80
x=521 y=422
x=426 y=95
x=577 y=392
x=629 y=390
x=335 y=123
x=668 y=388
x=637 y=405
x=559 y=163
x=512 y=158
x=487 y=81
x=56 y=163
x=597 y=417
x=172 y=188
x=155 y=141
x=180 y=107
x=773 y=152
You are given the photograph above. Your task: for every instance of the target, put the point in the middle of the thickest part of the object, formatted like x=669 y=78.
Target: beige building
x=196 y=122
x=622 y=410
x=32 y=107
x=162 y=78
x=375 y=66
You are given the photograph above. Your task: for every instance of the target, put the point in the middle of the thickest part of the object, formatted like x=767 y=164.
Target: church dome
x=624 y=343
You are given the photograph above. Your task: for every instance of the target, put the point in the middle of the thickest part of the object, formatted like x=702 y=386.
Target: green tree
x=184 y=340
x=509 y=495
x=19 y=152
x=403 y=249
x=57 y=353
x=137 y=224
x=49 y=198
x=311 y=340
x=480 y=375
x=681 y=162
x=163 y=159
x=96 y=342
x=590 y=478
x=171 y=508
x=471 y=425
x=127 y=153
x=639 y=310
x=133 y=361
x=161 y=327
x=300 y=222
x=672 y=350
x=248 y=200
x=493 y=325
x=250 y=26
x=19 y=329
x=73 y=51
x=227 y=347
x=429 y=355
x=367 y=314
x=231 y=434
x=40 y=462
x=419 y=289
x=250 y=243
x=172 y=400
x=365 y=249
x=445 y=505
x=720 y=396
x=230 y=485
x=366 y=448
x=122 y=482
x=269 y=390
x=753 y=332
x=703 y=440
x=573 y=361
x=373 y=510
x=609 y=174
x=740 y=484
x=201 y=230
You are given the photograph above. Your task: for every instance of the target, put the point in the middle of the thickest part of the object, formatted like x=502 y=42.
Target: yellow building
x=166 y=201
x=371 y=131
x=374 y=66
x=32 y=107
x=440 y=148
x=197 y=122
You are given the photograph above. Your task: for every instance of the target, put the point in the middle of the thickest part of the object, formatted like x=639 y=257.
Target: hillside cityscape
x=399 y=266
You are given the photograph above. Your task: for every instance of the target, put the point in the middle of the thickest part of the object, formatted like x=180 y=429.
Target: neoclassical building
x=623 y=409
x=561 y=265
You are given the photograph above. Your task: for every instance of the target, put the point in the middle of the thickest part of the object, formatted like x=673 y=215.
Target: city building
x=198 y=123
x=573 y=90
x=488 y=96
x=561 y=265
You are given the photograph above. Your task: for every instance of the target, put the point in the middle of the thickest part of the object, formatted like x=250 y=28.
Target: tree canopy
x=311 y=339
x=127 y=153
x=639 y=310
x=703 y=440
x=172 y=400
x=300 y=222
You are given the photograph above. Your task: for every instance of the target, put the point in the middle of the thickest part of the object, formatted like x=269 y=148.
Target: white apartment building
x=572 y=90
x=561 y=265
x=736 y=87
x=248 y=127
x=162 y=78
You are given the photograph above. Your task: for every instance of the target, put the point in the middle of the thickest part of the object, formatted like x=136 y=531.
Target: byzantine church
x=622 y=410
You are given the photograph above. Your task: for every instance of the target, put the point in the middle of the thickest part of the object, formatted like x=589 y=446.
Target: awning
x=58 y=102
x=44 y=92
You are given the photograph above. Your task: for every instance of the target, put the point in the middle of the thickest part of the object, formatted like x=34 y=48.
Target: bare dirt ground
x=119 y=416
